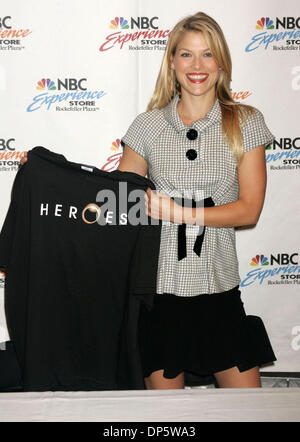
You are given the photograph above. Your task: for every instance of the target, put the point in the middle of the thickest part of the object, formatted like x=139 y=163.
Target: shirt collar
x=171 y=115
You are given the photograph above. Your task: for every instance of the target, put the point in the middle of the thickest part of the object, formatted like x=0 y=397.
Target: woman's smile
x=197 y=78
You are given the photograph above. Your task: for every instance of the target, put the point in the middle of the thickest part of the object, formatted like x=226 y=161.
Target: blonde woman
x=206 y=155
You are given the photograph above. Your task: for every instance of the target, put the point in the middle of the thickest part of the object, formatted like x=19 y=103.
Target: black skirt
x=201 y=334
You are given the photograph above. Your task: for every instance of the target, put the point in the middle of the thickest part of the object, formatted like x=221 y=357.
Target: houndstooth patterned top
x=161 y=137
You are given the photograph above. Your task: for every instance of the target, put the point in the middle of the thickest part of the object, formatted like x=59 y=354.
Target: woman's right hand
x=23 y=159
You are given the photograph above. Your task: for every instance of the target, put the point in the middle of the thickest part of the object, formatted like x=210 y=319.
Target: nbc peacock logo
x=119 y=23
x=259 y=260
x=265 y=23
x=115 y=145
x=113 y=160
x=271 y=36
x=72 y=92
x=280 y=268
x=46 y=85
x=136 y=33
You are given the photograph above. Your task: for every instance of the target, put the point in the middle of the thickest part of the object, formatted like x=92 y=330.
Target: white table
x=188 y=405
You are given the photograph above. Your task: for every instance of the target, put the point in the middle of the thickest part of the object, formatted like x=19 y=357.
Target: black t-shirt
x=73 y=285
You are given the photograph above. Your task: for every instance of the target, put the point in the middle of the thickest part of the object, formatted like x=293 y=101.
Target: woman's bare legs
x=233 y=378
x=156 y=381
x=230 y=378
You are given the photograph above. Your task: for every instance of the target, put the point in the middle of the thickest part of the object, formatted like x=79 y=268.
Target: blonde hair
x=167 y=86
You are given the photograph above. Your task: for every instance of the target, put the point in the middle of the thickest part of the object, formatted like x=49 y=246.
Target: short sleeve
x=255 y=132
x=135 y=136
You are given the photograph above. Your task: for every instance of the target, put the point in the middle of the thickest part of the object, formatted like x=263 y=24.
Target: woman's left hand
x=161 y=206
